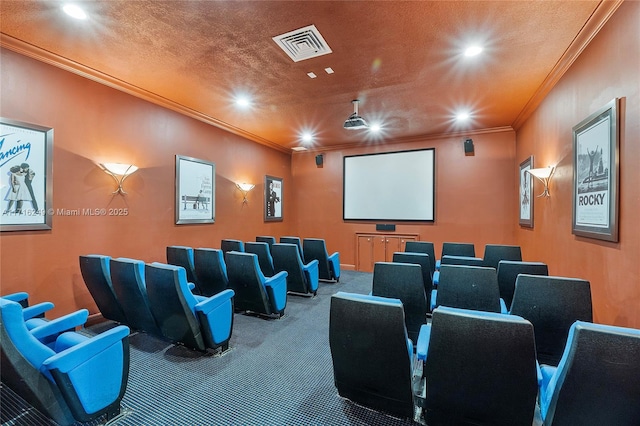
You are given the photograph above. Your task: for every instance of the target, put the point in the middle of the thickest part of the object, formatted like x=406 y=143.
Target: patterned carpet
x=277 y=372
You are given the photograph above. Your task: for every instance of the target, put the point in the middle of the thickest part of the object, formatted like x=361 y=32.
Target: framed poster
x=195 y=190
x=272 y=198
x=526 y=193
x=595 y=174
x=26 y=157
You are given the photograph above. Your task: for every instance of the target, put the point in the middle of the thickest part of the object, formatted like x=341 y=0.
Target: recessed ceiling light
x=311 y=75
x=299 y=148
x=74 y=11
x=473 y=51
x=375 y=127
x=462 y=116
x=243 y=101
x=307 y=137
x=328 y=70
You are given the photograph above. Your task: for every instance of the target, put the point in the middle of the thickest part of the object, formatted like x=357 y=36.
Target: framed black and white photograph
x=195 y=190
x=595 y=174
x=272 y=198
x=26 y=157
x=526 y=193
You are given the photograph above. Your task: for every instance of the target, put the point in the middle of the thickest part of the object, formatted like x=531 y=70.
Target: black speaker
x=385 y=227
x=468 y=146
x=319 y=159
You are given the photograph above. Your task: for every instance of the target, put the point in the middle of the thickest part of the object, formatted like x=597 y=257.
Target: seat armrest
x=436 y=278
x=503 y=307
x=74 y=356
x=36 y=310
x=438 y=264
x=434 y=296
x=16 y=297
x=191 y=286
x=276 y=287
x=211 y=303
x=313 y=264
x=58 y=325
x=422 y=346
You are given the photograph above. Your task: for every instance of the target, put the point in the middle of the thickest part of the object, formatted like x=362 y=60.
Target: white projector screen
x=390 y=186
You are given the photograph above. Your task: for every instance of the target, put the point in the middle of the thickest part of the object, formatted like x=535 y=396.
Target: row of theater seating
x=480 y=367
x=68 y=376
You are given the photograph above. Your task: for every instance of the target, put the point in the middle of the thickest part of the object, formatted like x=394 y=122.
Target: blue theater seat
x=80 y=379
x=129 y=283
x=403 y=281
x=480 y=369
x=255 y=292
x=468 y=287
x=227 y=245
x=371 y=353
x=293 y=240
x=266 y=239
x=183 y=256
x=211 y=270
x=422 y=259
x=96 y=273
x=198 y=322
x=508 y=271
x=328 y=265
x=461 y=260
x=494 y=253
x=456 y=249
x=265 y=260
x=597 y=381
x=301 y=278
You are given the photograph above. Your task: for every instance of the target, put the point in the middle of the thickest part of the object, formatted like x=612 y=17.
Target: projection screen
x=392 y=186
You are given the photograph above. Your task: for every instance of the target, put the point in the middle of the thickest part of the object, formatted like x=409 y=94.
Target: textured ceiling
x=402 y=59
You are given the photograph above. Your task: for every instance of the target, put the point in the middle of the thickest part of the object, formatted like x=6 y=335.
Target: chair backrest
x=370 y=352
x=422 y=259
x=128 y=279
x=265 y=260
x=480 y=369
x=183 y=256
x=426 y=247
x=95 y=270
x=597 y=380
x=468 y=287
x=316 y=248
x=461 y=260
x=494 y=253
x=286 y=257
x=227 y=245
x=211 y=270
x=296 y=241
x=266 y=239
x=403 y=281
x=552 y=305
x=173 y=304
x=458 y=249
x=508 y=271
x=247 y=281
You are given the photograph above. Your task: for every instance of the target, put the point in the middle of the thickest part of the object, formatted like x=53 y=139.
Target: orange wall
x=93 y=123
x=608 y=68
x=476 y=196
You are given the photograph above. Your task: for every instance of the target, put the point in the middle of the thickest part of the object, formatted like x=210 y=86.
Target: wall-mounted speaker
x=385 y=227
x=319 y=160
x=468 y=146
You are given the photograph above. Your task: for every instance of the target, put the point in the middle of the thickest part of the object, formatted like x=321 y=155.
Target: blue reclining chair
x=301 y=278
x=228 y=245
x=265 y=259
x=328 y=266
x=293 y=240
x=21 y=297
x=597 y=381
x=371 y=353
x=468 y=287
x=403 y=281
x=494 y=253
x=508 y=271
x=266 y=239
x=198 y=322
x=552 y=305
x=456 y=249
x=128 y=279
x=183 y=256
x=425 y=247
x=81 y=379
x=211 y=270
x=480 y=369
x=255 y=292
x=461 y=260
x=96 y=274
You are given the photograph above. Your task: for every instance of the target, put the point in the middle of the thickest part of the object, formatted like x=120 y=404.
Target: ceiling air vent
x=304 y=43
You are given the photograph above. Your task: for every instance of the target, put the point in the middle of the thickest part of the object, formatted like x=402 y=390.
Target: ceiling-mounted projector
x=355 y=122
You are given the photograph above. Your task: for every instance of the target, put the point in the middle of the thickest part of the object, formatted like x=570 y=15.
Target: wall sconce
x=245 y=188
x=119 y=172
x=544 y=175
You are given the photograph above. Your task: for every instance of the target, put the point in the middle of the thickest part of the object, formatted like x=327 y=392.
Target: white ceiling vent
x=304 y=43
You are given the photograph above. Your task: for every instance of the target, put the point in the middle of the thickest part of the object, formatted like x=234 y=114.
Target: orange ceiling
x=402 y=59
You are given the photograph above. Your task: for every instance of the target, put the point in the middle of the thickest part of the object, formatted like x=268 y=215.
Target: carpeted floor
x=277 y=372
